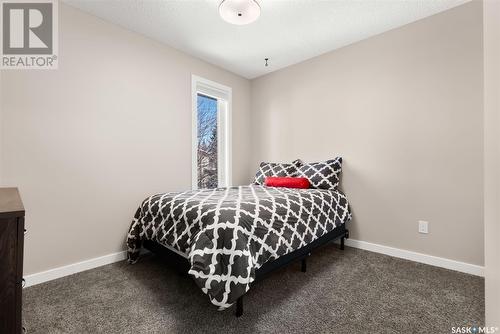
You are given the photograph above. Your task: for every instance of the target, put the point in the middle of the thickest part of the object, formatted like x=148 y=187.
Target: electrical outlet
x=423 y=227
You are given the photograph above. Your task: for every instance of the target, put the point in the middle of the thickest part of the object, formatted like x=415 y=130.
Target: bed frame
x=182 y=265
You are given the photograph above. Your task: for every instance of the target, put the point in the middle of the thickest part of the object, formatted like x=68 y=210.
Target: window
x=211 y=134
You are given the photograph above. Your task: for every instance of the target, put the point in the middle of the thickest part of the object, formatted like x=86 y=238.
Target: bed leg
x=303 y=265
x=342 y=243
x=239 y=307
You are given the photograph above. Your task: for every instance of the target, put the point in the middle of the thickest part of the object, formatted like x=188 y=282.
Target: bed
x=227 y=238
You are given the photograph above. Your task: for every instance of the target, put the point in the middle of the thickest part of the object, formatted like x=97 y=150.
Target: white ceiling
x=287 y=32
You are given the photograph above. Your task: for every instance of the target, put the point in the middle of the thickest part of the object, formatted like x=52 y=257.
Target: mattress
x=229 y=233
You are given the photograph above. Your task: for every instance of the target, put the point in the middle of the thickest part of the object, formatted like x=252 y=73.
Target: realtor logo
x=29 y=34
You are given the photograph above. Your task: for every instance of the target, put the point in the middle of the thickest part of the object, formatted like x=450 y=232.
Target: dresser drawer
x=9 y=278
x=11 y=261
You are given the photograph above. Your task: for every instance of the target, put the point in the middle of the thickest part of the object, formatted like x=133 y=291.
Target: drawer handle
x=25 y=231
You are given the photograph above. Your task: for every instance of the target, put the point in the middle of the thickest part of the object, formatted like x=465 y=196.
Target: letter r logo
x=27 y=28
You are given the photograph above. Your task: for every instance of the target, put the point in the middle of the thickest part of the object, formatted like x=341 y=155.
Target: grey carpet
x=351 y=291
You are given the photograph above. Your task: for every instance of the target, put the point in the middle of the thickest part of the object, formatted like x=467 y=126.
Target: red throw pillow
x=288 y=182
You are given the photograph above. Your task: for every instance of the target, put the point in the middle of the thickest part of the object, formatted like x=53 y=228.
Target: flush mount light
x=239 y=12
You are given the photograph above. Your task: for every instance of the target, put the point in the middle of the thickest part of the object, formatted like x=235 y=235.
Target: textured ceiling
x=287 y=32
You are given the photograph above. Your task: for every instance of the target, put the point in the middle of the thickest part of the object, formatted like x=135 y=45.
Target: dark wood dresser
x=11 y=260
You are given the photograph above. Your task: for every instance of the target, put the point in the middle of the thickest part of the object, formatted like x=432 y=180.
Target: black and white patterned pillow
x=273 y=169
x=323 y=175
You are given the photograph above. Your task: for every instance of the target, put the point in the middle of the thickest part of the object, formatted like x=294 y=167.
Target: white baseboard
x=418 y=257
x=74 y=268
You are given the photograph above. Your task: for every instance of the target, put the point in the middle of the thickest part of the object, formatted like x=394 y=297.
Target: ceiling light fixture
x=239 y=12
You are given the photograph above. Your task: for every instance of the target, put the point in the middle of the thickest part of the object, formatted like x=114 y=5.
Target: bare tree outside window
x=207 y=142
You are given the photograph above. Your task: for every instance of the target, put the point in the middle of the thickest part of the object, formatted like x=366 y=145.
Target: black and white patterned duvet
x=229 y=233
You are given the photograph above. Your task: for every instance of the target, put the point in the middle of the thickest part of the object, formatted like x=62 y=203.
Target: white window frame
x=224 y=134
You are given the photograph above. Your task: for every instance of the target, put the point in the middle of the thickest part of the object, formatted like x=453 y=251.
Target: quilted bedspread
x=228 y=233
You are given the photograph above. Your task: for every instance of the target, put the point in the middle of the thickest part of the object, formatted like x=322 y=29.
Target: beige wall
x=404 y=109
x=492 y=159
x=87 y=142
x=1 y=132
